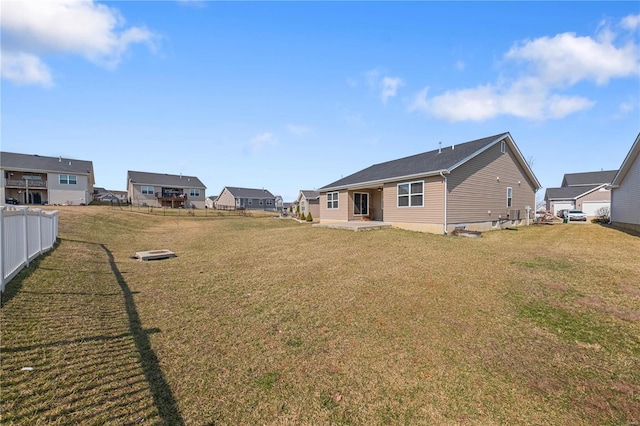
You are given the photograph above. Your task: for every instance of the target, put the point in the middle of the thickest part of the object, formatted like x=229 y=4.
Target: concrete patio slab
x=355 y=225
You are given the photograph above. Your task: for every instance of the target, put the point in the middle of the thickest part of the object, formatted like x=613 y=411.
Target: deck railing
x=23 y=184
x=24 y=235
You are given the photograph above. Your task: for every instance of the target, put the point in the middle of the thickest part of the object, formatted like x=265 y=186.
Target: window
x=68 y=179
x=147 y=190
x=269 y=202
x=503 y=147
x=249 y=201
x=261 y=201
x=194 y=192
x=410 y=194
x=509 y=197
x=332 y=200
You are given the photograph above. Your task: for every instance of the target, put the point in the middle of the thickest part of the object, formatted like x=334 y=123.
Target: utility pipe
x=445 y=201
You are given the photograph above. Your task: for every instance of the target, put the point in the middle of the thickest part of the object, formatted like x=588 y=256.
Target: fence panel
x=24 y=235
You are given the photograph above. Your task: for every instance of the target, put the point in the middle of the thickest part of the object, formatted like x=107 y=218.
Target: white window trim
x=503 y=147
x=143 y=192
x=194 y=192
x=336 y=200
x=261 y=202
x=250 y=201
x=409 y=194
x=68 y=179
x=509 y=198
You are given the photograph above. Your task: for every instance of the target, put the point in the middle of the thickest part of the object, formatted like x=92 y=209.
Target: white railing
x=24 y=235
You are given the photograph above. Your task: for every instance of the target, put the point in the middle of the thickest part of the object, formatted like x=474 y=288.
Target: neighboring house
x=480 y=185
x=232 y=198
x=35 y=179
x=210 y=202
x=164 y=190
x=105 y=195
x=309 y=201
x=588 y=191
x=625 y=191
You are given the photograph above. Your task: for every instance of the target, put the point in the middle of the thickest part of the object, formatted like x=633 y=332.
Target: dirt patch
x=600 y=305
x=633 y=291
x=553 y=285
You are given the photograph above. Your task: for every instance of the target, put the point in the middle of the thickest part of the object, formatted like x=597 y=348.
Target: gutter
x=445 y=200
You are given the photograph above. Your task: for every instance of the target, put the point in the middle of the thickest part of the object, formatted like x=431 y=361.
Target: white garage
x=558 y=205
x=590 y=208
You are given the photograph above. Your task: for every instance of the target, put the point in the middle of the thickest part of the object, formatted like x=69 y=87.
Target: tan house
x=625 y=191
x=309 y=202
x=35 y=179
x=164 y=190
x=234 y=198
x=587 y=191
x=479 y=185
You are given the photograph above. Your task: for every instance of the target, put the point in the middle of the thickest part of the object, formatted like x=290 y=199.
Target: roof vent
x=69 y=162
x=439 y=147
x=59 y=159
x=453 y=147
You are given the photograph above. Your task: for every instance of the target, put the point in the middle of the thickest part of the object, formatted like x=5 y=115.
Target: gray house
x=625 y=191
x=232 y=198
x=35 y=179
x=587 y=191
x=164 y=190
x=479 y=185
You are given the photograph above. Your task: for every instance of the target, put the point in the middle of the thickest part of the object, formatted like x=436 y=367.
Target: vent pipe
x=439 y=147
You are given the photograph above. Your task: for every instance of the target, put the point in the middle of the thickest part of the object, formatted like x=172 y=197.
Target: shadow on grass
x=162 y=396
x=13 y=287
x=628 y=231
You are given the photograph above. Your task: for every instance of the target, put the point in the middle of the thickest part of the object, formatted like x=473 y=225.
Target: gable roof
x=248 y=192
x=588 y=178
x=570 y=192
x=178 y=181
x=634 y=152
x=310 y=195
x=433 y=162
x=27 y=162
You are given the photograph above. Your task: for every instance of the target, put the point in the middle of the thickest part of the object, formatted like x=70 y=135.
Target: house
x=105 y=195
x=36 y=179
x=164 y=190
x=232 y=198
x=478 y=185
x=309 y=202
x=210 y=202
x=588 y=191
x=625 y=191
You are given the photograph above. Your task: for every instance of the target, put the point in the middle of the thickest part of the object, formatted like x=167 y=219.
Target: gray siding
x=474 y=188
x=625 y=200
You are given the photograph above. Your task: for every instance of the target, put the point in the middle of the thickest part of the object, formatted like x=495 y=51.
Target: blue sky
x=295 y=95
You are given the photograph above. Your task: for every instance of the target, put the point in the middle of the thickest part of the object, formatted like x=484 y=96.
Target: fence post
x=2 y=260
x=25 y=225
x=40 y=231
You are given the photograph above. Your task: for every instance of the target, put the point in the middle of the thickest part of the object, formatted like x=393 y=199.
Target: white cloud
x=553 y=64
x=77 y=27
x=631 y=22
x=390 y=87
x=298 y=130
x=259 y=142
x=387 y=86
x=25 y=69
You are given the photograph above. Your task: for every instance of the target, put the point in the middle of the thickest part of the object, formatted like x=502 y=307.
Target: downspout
x=445 y=201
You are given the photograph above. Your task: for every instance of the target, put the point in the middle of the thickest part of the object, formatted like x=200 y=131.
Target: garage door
x=591 y=207
x=561 y=206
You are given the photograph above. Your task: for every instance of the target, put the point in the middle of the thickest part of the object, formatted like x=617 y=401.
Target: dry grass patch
x=267 y=321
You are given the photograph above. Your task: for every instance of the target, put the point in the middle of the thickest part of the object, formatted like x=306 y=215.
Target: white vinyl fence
x=24 y=235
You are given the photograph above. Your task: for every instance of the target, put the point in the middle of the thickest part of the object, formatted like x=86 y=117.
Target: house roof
x=27 y=162
x=212 y=197
x=569 y=192
x=433 y=162
x=310 y=194
x=589 y=178
x=248 y=192
x=178 y=181
x=634 y=152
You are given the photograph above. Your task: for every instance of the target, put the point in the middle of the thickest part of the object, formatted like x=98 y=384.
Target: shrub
x=309 y=217
x=602 y=215
x=302 y=217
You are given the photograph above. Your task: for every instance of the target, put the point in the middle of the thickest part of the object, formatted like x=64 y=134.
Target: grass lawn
x=266 y=321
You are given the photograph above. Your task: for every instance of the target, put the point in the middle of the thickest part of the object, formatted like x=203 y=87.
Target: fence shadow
x=14 y=286
x=161 y=392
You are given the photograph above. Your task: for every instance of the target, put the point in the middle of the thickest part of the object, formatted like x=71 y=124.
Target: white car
x=577 y=215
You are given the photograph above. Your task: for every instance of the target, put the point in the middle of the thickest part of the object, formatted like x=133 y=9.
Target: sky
x=295 y=95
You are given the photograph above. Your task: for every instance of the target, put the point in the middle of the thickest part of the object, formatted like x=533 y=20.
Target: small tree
x=298 y=210
x=290 y=209
x=602 y=215
x=302 y=217
x=309 y=217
